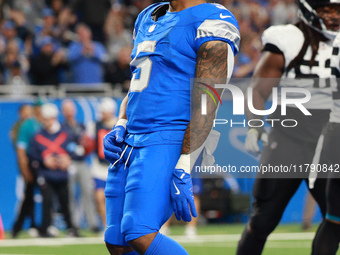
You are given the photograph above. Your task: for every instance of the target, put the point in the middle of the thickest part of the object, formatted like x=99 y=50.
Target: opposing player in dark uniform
x=293 y=56
x=326 y=241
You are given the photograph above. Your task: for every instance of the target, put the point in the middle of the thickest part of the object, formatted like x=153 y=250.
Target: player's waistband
x=158 y=137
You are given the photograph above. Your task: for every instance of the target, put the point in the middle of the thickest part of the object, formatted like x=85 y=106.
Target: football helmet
x=307 y=13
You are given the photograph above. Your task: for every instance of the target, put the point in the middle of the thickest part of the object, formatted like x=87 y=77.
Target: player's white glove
x=253 y=136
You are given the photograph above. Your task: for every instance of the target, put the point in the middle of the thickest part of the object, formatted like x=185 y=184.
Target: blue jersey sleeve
x=219 y=25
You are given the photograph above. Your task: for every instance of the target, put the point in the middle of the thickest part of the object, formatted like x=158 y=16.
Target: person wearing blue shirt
x=161 y=129
x=86 y=57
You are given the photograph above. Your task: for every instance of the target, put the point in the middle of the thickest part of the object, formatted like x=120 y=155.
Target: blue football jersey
x=164 y=61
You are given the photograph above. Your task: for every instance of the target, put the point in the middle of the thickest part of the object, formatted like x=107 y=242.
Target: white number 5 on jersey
x=144 y=64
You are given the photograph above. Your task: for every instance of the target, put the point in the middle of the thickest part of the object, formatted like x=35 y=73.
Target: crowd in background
x=48 y=42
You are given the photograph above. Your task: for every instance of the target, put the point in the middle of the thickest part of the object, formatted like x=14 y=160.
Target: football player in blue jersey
x=154 y=143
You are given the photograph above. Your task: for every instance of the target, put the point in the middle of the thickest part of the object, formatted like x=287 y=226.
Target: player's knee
x=142 y=243
x=261 y=228
x=113 y=235
x=129 y=227
x=132 y=229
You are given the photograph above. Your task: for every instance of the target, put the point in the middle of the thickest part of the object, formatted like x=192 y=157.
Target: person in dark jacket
x=51 y=152
x=46 y=65
x=94 y=14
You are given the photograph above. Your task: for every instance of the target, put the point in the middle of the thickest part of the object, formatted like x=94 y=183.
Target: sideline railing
x=63 y=90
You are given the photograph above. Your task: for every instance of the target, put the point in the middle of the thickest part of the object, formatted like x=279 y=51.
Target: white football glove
x=253 y=136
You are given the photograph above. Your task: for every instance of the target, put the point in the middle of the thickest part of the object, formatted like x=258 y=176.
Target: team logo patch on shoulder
x=152 y=28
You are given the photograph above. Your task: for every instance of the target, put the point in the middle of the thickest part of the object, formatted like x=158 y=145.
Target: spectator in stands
x=117 y=35
x=46 y=65
x=47 y=28
x=249 y=55
x=119 y=71
x=26 y=131
x=80 y=170
x=138 y=5
x=15 y=65
x=86 y=57
x=30 y=9
x=48 y=25
x=108 y=110
x=57 y=6
x=283 y=12
x=16 y=78
x=9 y=33
x=50 y=153
x=18 y=18
x=93 y=13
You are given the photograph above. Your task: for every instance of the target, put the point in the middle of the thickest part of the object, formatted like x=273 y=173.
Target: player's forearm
x=211 y=69
x=122 y=118
x=266 y=76
x=199 y=126
x=122 y=110
x=258 y=101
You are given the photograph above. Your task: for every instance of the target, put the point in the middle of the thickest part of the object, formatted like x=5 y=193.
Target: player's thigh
x=330 y=157
x=282 y=150
x=271 y=185
x=115 y=196
x=328 y=166
x=272 y=191
x=271 y=197
x=147 y=204
x=319 y=193
x=330 y=151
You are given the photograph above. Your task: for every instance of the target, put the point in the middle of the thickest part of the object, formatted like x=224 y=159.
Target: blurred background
x=79 y=51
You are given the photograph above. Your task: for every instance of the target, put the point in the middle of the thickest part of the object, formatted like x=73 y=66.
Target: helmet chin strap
x=326 y=32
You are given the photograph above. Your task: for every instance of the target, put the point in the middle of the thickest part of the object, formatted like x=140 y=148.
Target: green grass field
x=212 y=240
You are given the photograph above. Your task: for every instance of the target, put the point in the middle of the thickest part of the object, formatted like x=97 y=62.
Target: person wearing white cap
x=108 y=110
x=50 y=154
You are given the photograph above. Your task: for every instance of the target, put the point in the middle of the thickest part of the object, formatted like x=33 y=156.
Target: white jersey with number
x=289 y=40
x=335 y=64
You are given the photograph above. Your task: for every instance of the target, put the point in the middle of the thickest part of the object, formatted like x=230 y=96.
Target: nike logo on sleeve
x=224 y=16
